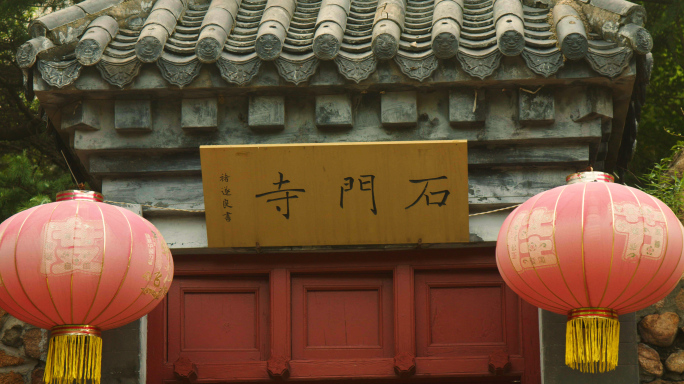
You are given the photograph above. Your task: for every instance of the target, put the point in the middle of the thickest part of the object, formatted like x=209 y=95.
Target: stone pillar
x=123 y=354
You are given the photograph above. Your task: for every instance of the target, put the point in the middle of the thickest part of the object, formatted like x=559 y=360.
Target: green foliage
x=25 y=182
x=666 y=182
x=32 y=169
x=662 y=116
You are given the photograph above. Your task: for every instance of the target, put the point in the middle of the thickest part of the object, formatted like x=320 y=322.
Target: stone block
x=9 y=361
x=659 y=329
x=12 y=336
x=199 y=114
x=132 y=115
x=35 y=343
x=11 y=378
x=83 y=115
x=398 y=109
x=266 y=112
x=597 y=102
x=334 y=111
x=467 y=108
x=536 y=107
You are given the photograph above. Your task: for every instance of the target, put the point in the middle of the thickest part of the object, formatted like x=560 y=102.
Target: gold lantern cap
x=77 y=194
x=589 y=177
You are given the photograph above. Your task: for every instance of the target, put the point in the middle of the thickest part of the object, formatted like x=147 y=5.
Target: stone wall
x=23 y=349
x=661 y=330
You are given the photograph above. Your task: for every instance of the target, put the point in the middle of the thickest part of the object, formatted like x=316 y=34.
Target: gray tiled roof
x=180 y=36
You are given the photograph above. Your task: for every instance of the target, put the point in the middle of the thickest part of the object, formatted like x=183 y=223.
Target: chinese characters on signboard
x=344 y=194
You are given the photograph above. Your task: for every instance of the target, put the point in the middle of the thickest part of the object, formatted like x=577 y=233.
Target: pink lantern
x=79 y=266
x=591 y=250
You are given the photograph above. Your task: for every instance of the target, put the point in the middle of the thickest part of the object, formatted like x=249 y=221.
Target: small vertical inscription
x=224 y=178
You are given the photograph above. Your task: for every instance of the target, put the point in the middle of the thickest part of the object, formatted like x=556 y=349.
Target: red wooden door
x=420 y=316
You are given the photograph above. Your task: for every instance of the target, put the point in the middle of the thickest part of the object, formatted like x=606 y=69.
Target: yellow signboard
x=336 y=194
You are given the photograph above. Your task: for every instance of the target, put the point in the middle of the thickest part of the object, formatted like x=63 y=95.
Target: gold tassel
x=592 y=340
x=74 y=355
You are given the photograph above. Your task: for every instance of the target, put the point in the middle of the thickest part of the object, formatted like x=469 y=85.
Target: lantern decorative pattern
x=78 y=267
x=591 y=250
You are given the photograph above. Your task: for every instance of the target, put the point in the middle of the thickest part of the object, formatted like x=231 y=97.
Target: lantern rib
x=560 y=269
x=47 y=274
x=104 y=252
x=681 y=255
x=529 y=218
x=134 y=316
x=142 y=290
x=130 y=253
x=638 y=261
x=71 y=282
x=612 y=250
x=16 y=269
x=2 y=281
x=523 y=280
x=667 y=244
x=584 y=269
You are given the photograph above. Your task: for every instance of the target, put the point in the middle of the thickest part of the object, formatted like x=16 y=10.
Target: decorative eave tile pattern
x=181 y=36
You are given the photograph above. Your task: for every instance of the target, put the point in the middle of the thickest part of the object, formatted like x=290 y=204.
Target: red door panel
x=219 y=320
x=343 y=316
x=410 y=315
x=465 y=313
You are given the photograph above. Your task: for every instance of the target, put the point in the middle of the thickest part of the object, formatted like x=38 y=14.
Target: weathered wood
x=72 y=18
x=398 y=109
x=297 y=116
x=597 y=103
x=631 y=12
x=27 y=53
x=388 y=77
x=85 y=115
x=273 y=28
x=536 y=108
x=95 y=6
x=467 y=107
x=100 y=32
x=132 y=115
x=334 y=111
x=387 y=26
x=510 y=32
x=330 y=25
x=637 y=38
x=561 y=155
x=267 y=112
x=487 y=187
x=570 y=32
x=159 y=25
x=216 y=26
x=66 y=26
x=447 y=19
x=199 y=114
x=445 y=37
x=501 y=187
x=187 y=233
x=188 y=163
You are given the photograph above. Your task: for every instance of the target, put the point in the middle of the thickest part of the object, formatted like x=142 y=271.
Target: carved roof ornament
x=119 y=72
x=118 y=36
x=59 y=73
